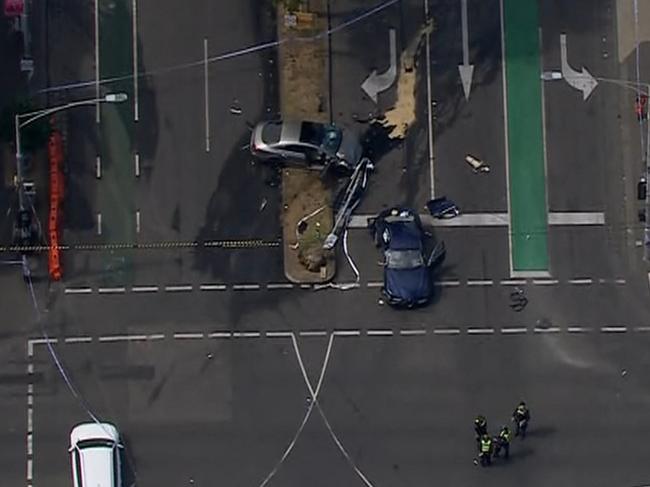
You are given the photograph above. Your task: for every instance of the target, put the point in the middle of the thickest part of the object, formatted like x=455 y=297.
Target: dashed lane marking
x=220 y=334
x=446 y=331
x=371 y=284
x=179 y=288
x=513 y=282
x=278 y=334
x=188 y=336
x=447 y=283
x=480 y=282
x=122 y=338
x=78 y=290
x=246 y=334
x=413 y=332
x=347 y=333
x=406 y=332
x=212 y=287
x=245 y=287
x=613 y=329
x=581 y=281
x=578 y=329
x=546 y=329
x=78 y=340
x=279 y=285
x=480 y=331
x=545 y=282
x=111 y=290
x=313 y=333
x=145 y=289
x=379 y=332
x=514 y=330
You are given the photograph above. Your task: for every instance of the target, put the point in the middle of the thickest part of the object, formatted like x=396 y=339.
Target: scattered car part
x=477 y=164
x=442 y=208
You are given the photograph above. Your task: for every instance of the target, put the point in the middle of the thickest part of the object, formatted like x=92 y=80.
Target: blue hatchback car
x=407 y=268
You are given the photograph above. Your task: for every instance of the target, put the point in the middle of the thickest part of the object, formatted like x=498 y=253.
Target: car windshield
x=326 y=136
x=95 y=443
x=404 y=259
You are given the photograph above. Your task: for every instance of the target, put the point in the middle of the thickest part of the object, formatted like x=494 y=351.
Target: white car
x=95 y=452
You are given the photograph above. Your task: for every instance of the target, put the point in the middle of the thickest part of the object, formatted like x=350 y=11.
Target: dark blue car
x=407 y=267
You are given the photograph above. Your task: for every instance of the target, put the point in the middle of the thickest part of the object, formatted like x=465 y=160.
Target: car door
x=293 y=152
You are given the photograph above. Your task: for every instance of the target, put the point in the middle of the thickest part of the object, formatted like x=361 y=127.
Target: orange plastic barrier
x=55 y=154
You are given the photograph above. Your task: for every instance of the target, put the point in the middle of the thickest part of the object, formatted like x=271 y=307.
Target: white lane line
x=379 y=333
x=278 y=334
x=246 y=334
x=179 y=288
x=78 y=340
x=145 y=289
x=514 y=330
x=137 y=221
x=220 y=334
x=30 y=470
x=30 y=368
x=613 y=329
x=549 y=329
x=99 y=223
x=136 y=103
x=576 y=218
x=43 y=341
x=30 y=442
x=279 y=285
x=305 y=418
x=506 y=152
x=446 y=331
x=581 y=281
x=245 y=287
x=578 y=329
x=427 y=46
x=98 y=167
x=97 y=105
x=347 y=333
x=30 y=414
x=207 y=94
x=447 y=283
x=212 y=287
x=642 y=328
x=413 y=332
x=374 y=284
x=122 y=338
x=620 y=281
x=156 y=336
x=545 y=282
x=313 y=333
x=305 y=286
x=513 y=282
x=78 y=290
x=480 y=282
x=111 y=290
x=188 y=336
x=136 y=163
x=480 y=331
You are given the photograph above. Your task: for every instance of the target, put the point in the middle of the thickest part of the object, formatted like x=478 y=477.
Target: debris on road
x=477 y=164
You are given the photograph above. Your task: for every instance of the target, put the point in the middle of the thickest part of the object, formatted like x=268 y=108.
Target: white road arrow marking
x=466 y=69
x=584 y=81
x=376 y=83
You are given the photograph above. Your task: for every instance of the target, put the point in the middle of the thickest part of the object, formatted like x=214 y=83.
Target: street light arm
x=44 y=113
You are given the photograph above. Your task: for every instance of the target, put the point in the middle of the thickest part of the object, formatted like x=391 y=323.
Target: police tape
x=214 y=244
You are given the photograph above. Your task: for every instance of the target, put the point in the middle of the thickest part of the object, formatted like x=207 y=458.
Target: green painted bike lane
x=116 y=189
x=526 y=166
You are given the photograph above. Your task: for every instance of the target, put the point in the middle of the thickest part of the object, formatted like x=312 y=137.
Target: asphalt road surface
x=216 y=369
